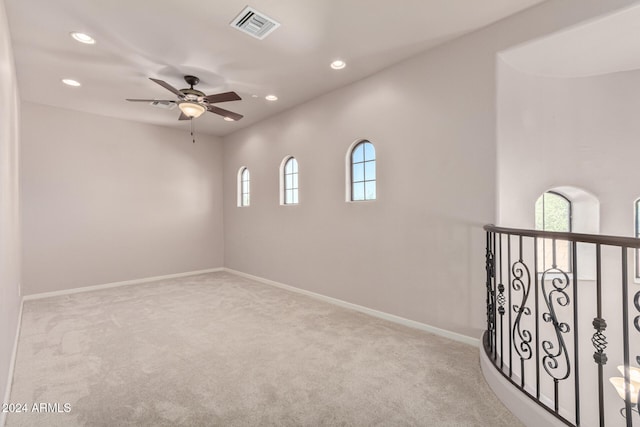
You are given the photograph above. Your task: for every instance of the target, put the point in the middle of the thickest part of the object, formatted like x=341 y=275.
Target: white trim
x=347 y=170
x=240 y=187
x=371 y=312
x=283 y=164
x=12 y=364
x=117 y=284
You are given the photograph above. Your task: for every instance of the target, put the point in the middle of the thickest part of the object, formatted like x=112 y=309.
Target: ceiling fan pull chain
x=194 y=139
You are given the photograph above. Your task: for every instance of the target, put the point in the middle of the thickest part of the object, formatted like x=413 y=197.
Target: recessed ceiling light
x=229 y=119
x=254 y=96
x=271 y=98
x=83 y=38
x=338 y=64
x=71 y=82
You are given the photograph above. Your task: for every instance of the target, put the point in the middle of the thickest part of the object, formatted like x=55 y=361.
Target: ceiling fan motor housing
x=192 y=93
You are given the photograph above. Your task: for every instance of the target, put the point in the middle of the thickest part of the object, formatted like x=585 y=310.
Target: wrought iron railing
x=566 y=332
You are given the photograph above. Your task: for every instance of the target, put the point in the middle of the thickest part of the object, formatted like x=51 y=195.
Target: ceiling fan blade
x=183 y=116
x=150 y=100
x=224 y=113
x=223 y=97
x=167 y=86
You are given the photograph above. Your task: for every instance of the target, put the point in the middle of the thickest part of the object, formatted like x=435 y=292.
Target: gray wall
x=107 y=200
x=564 y=131
x=9 y=204
x=417 y=251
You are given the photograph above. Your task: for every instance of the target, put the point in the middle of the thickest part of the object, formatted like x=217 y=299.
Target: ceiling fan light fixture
x=191 y=109
x=83 y=38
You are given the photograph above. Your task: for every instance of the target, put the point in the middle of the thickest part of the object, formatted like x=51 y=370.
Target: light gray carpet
x=220 y=350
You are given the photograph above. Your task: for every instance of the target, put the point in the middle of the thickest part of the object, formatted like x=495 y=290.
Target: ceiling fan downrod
x=191 y=80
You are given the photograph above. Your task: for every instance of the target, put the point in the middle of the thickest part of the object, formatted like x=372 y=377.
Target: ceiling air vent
x=254 y=23
x=163 y=104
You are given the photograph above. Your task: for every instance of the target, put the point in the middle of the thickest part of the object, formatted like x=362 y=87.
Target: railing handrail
x=625 y=242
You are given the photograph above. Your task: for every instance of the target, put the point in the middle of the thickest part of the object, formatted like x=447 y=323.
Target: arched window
x=289 y=182
x=244 y=191
x=362 y=172
x=553 y=213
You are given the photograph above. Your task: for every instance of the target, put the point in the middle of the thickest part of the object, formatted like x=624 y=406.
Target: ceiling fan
x=193 y=103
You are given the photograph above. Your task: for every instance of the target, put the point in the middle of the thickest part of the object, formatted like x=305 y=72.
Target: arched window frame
x=351 y=182
x=244 y=187
x=289 y=188
x=569 y=203
x=543 y=264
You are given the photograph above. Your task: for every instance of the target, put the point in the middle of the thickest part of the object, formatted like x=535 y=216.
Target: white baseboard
x=366 y=310
x=117 y=284
x=371 y=312
x=529 y=412
x=12 y=364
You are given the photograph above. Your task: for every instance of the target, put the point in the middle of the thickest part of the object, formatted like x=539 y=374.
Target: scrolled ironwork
x=599 y=341
x=636 y=320
x=489 y=263
x=521 y=283
x=556 y=295
x=636 y=324
x=623 y=410
x=531 y=338
x=490 y=268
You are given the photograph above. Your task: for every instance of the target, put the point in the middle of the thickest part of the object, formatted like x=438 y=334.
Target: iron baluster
x=625 y=337
x=599 y=340
x=493 y=288
x=537 y=315
x=510 y=300
x=521 y=337
x=553 y=351
x=576 y=370
x=501 y=302
x=490 y=292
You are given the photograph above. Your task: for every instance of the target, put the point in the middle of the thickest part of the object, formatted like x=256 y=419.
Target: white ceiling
x=606 y=45
x=166 y=39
